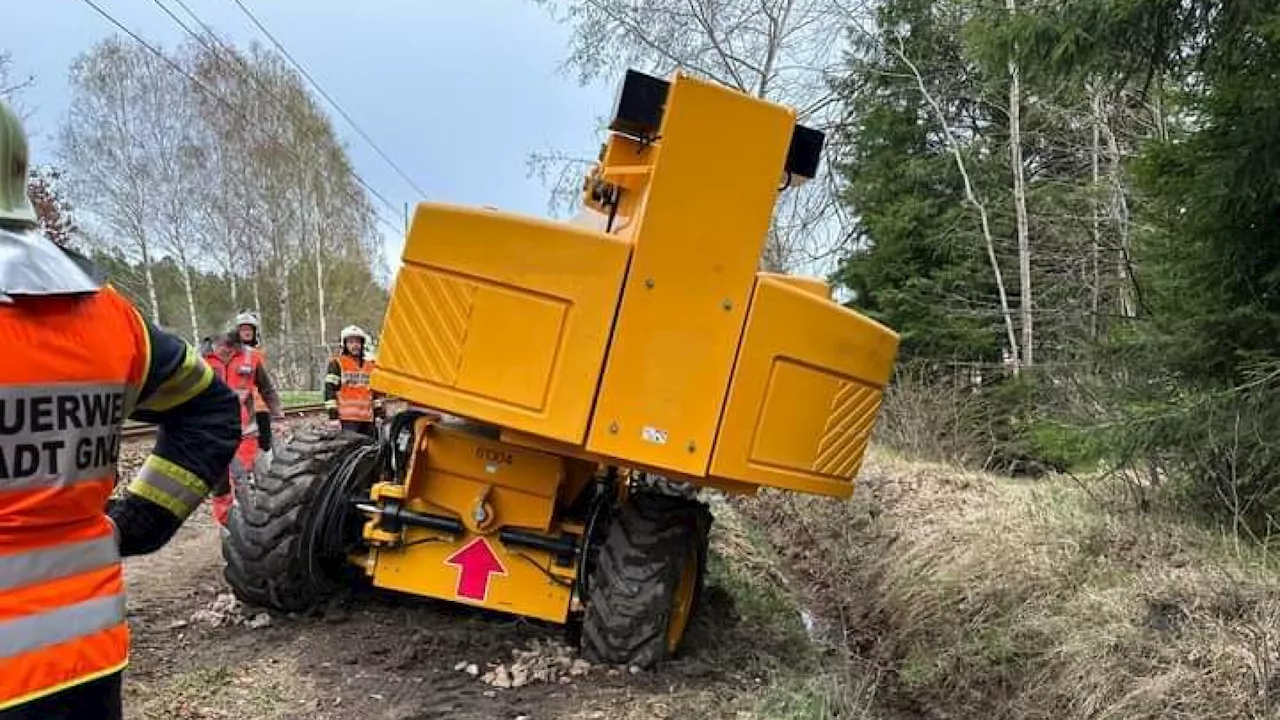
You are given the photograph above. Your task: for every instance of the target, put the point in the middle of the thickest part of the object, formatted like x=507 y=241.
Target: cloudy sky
x=448 y=89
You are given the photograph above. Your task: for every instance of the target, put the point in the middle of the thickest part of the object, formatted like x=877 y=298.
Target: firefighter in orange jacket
x=347 y=395
x=249 y=329
x=240 y=367
x=90 y=361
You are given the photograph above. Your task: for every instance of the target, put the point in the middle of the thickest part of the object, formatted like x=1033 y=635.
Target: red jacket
x=242 y=370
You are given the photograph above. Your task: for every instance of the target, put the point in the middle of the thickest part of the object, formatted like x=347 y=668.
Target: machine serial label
x=493 y=455
x=654 y=435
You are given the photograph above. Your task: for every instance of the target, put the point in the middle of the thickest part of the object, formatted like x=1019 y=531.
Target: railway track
x=134 y=430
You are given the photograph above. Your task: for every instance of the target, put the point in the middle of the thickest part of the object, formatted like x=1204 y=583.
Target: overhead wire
x=222 y=101
x=280 y=46
x=210 y=35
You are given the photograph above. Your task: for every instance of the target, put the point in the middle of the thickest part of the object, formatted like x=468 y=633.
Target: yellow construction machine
x=571 y=385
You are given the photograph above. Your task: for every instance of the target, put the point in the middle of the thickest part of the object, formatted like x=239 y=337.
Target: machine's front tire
x=646 y=581
x=267 y=563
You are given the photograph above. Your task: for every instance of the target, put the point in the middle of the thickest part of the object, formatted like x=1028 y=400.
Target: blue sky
x=457 y=93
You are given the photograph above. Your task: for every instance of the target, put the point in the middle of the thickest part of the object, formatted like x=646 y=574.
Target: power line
x=242 y=72
x=205 y=89
x=279 y=46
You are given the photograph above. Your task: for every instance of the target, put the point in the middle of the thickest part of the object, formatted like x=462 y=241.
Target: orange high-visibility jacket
x=241 y=371
x=347 y=390
x=62 y=602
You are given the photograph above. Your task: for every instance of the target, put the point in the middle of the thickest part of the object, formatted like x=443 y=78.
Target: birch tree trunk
x=285 y=301
x=152 y=298
x=320 y=309
x=1095 y=150
x=971 y=196
x=308 y=209
x=189 y=288
x=1120 y=218
x=1020 y=202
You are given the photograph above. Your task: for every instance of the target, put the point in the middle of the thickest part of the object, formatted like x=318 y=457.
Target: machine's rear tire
x=263 y=546
x=646 y=581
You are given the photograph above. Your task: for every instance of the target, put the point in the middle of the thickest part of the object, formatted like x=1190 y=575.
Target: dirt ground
x=380 y=656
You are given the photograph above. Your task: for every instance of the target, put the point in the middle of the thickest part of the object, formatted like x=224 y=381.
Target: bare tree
x=215 y=171
x=1120 y=220
x=971 y=195
x=180 y=159
x=783 y=50
x=1095 y=176
x=1018 y=169
x=10 y=87
x=104 y=146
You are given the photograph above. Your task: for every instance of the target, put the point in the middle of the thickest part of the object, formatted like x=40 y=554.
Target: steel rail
x=142 y=430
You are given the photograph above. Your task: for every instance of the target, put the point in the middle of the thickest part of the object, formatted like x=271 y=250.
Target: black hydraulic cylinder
x=435 y=522
x=562 y=547
x=395 y=516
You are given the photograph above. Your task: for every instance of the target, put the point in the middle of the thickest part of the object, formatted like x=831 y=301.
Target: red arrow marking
x=475 y=561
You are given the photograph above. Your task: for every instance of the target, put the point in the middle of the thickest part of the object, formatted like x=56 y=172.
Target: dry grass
x=979 y=597
x=795 y=679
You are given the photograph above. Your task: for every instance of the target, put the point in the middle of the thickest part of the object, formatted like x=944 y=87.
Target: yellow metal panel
x=433 y=351
x=716 y=169
x=626 y=163
x=454 y=471
x=816 y=286
x=805 y=394
x=523 y=581
x=471 y=327
x=795 y=398
x=500 y=321
x=848 y=429
x=590 y=461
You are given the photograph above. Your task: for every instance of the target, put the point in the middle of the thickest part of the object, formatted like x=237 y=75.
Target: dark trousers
x=96 y=700
x=264 y=430
x=364 y=428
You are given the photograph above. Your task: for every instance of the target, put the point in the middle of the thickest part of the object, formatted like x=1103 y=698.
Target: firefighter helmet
x=353 y=331
x=247 y=317
x=15 y=204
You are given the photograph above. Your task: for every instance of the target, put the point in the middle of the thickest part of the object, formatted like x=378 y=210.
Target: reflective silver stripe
x=32 y=632
x=362 y=408
x=191 y=377
x=153 y=474
x=59 y=434
x=27 y=568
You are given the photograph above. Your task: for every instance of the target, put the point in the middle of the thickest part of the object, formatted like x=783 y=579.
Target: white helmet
x=353 y=331
x=248 y=317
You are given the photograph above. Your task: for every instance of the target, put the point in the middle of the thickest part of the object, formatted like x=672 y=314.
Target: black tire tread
x=266 y=522
x=637 y=570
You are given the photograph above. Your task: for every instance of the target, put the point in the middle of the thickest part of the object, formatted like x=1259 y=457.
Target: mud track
x=383 y=656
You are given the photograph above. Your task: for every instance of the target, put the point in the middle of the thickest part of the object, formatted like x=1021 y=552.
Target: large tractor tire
x=646 y=581
x=280 y=520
